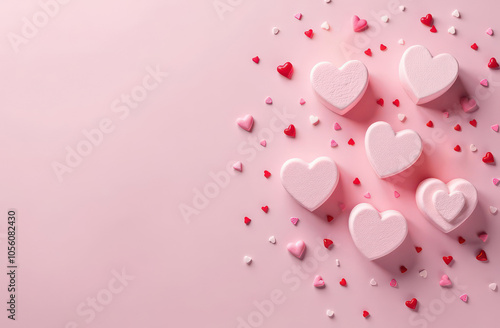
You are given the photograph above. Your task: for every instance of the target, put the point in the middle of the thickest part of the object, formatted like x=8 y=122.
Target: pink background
x=119 y=208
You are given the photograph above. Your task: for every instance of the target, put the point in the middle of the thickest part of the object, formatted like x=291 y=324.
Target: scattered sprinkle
x=325 y=26
x=457 y=127
x=495 y=127
x=267 y=174
x=290 y=131
x=356 y=181
x=401 y=42
x=457 y=148
x=373 y=282
x=337 y=126
x=447 y=259
x=396 y=102
x=309 y=33
x=384 y=18
x=423 y=273
x=327 y=242
x=461 y=240
x=489 y=31
x=403 y=269
x=380 y=102
x=333 y=143
x=484 y=82
x=275 y=30
x=256 y=59
x=367 y=195
x=247 y=220
x=481 y=256
x=493 y=63
x=294 y=220
x=493 y=210
x=368 y=52
x=351 y=142
x=445 y=281
x=473 y=148
x=402 y=117
x=263 y=142
x=393 y=283
x=430 y=124
x=433 y=29
x=483 y=236
x=383 y=47
x=418 y=249
x=464 y=297
x=473 y=122
x=269 y=101
x=298 y=16
x=451 y=30
x=247 y=259
x=343 y=282
x=366 y=314
x=337 y=262
x=474 y=46
x=493 y=286
x=329 y=218
x=456 y=13
x=265 y=208
x=314 y=120
x=302 y=101
x=238 y=166
x=272 y=240
x=329 y=312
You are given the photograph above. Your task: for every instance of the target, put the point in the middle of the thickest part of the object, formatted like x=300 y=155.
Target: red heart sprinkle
x=351 y=142
x=412 y=304
x=396 y=102
x=493 y=63
x=327 y=243
x=403 y=269
x=265 y=208
x=383 y=47
x=380 y=101
x=433 y=29
x=343 y=282
x=474 y=46
x=366 y=314
x=458 y=127
x=461 y=240
x=427 y=20
x=329 y=218
x=267 y=174
x=286 y=70
x=482 y=256
x=473 y=123
x=488 y=158
x=418 y=249
x=290 y=131
x=309 y=33
x=430 y=124
x=368 y=52
x=247 y=220
x=457 y=148
x=356 y=181
x=256 y=59
x=447 y=259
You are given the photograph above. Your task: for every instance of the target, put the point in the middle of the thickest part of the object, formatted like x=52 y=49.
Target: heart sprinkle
x=368 y=52
x=238 y=166
x=380 y=102
x=330 y=313
x=325 y=26
x=430 y=124
x=286 y=70
x=447 y=259
x=351 y=142
x=269 y=101
x=473 y=148
x=458 y=127
x=302 y=101
x=412 y=304
x=402 y=8
x=446 y=114
x=297 y=249
x=452 y=30
x=333 y=143
x=263 y=142
x=314 y=120
x=272 y=240
x=393 y=283
x=265 y=208
x=473 y=123
x=246 y=123
x=384 y=18
x=493 y=286
x=367 y=195
x=309 y=33
x=474 y=46
x=373 y=282
x=493 y=63
x=496 y=181
x=290 y=131
x=464 y=297
x=445 y=281
x=484 y=82
x=318 y=282
x=489 y=31
x=356 y=181
x=433 y=29
x=483 y=236
x=423 y=273
x=495 y=127
x=493 y=210
x=337 y=262
x=457 y=148
x=327 y=242
x=418 y=249
x=329 y=218
x=294 y=220
x=396 y=102
x=275 y=30
x=383 y=47
x=401 y=42
x=455 y=13
x=366 y=314
x=298 y=16
x=343 y=282
x=358 y=24
x=402 y=117
x=247 y=259
x=267 y=174
x=461 y=240
x=337 y=126
x=488 y=158
x=427 y=20
x=256 y=59
x=481 y=256
x=403 y=269
x=247 y=220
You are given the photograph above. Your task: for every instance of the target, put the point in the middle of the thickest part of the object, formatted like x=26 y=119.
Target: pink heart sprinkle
x=246 y=123
x=337 y=126
x=495 y=127
x=495 y=181
x=269 y=101
x=302 y=101
x=263 y=142
x=367 y=195
x=238 y=166
x=464 y=298
x=396 y=194
x=298 y=16
x=468 y=104
x=483 y=236
x=393 y=283
x=446 y=114
x=294 y=220
x=333 y=143
x=359 y=24
x=489 y=31
x=445 y=281
x=484 y=82
x=342 y=206
x=318 y=282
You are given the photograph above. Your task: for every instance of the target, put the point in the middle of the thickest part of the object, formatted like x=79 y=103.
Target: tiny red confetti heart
x=309 y=33
x=396 y=102
x=473 y=123
x=430 y=124
x=343 y=282
x=286 y=70
x=474 y=46
x=418 y=249
x=247 y=220
x=329 y=218
x=366 y=314
x=256 y=59
x=488 y=158
x=368 y=52
x=458 y=127
x=457 y=148
x=290 y=131
x=447 y=259
x=351 y=142
x=380 y=101
x=433 y=29
x=356 y=181
x=267 y=174
x=412 y=304
x=482 y=256
x=383 y=47
x=327 y=243
x=427 y=20
x=403 y=269
x=265 y=208
x=461 y=240
x=493 y=63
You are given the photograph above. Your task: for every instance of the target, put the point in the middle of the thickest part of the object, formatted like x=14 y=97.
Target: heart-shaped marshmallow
x=297 y=249
x=424 y=77
x=376 y=234
x=339 y=89
x=391 y=153
x=311 y=184
x=440 y=205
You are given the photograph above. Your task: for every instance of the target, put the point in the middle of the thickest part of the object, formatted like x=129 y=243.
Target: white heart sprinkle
x=247 y=259
x=402 y=117
x=451 y=30
x=473 y=147
x=329 y=313
x=337 y=261
x=493 y=286
x=276 y=30
x=314 y=120
x=325 y=26
x=402 y=8
x=272 y=240
x=373 y=282
x=384 y=18
x=455 y=13
x=401 y=42
x=493 y=210
x=423 y=273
